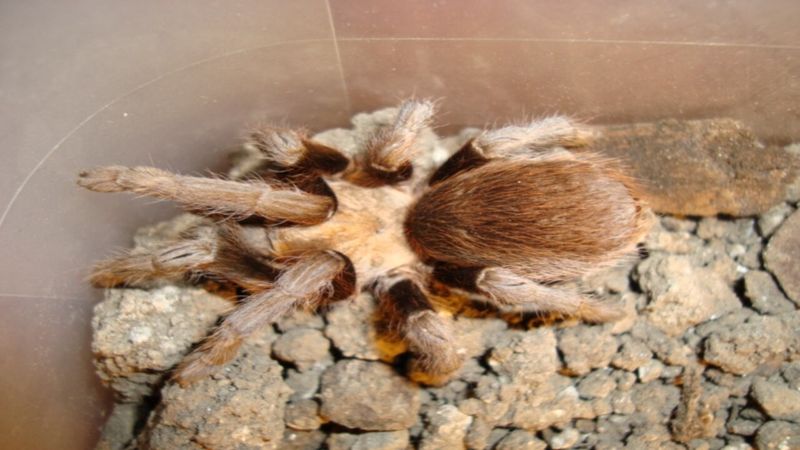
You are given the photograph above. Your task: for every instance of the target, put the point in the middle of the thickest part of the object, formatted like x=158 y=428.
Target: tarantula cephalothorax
x=515 y=211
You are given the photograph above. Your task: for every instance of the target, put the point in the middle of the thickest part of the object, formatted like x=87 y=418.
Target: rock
x=749 y=344
x=447 y=428
x=304 y=384
x=565 y=439
x=555 y=402
x=777 y=400
x=303 y=347
x=302 y=414
x=702 y=167
x=653 y=436
x=120 y=427
x=586 y=347
x=525 y=357
x=650 y=371
x=138 y=335
x=783 y=253
x=300 y=318
x=631 y=355
x=476 y=335
x=479 y=434
x=666 y=348
x=672 y=241
x=368 y=395
x=764 y=294
x=302 y=440
x=739 y=230
x=743 y=427
x=769 y=221
x=490 y=399
x=351 y=329
x=737 y=446
x=791 y=373
x=241 y=406
x=682 y=294
x=777 y=435
x=597 y=384
x=386 y=440
x=521 y=440
x=655 y=402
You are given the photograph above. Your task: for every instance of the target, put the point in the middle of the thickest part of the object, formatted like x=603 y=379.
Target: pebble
x=782 y=255
x=525 y=357
x=772 y=218
x=587 y=347
x=447 y=428
x=303 y=347
x=746 y=345
x=649 y=371
x=387 y=440
x=778 y=435
x=597 y=384
x=764 y=294
x=565 y=439
x=302 y=414
x=521 y=440
x=631 y=355
x=683 y=294
x=777 y=399
x=368 y=395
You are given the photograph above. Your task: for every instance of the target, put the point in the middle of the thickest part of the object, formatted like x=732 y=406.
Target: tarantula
x=513 y=213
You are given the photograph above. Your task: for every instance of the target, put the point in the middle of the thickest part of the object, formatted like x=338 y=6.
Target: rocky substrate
x=707 y=356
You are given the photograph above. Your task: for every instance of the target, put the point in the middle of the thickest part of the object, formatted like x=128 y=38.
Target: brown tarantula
x=510 y=215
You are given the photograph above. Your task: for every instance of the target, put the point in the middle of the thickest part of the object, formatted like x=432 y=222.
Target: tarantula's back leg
x=508 y=290
x=310 y=282
x=536 y=137
x=214 y=196
x=391 y=150
x=409 y=315
x=220 y=254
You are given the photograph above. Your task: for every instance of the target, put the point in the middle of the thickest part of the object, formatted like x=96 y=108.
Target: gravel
x=706 y=357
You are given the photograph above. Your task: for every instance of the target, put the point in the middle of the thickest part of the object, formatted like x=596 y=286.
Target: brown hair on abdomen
x=552 y=217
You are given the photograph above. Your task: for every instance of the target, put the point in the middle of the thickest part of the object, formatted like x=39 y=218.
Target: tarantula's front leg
x=530 y=140
x=213 y=196
x=310 y=282
x=506 y=289
x=409 y=315
x=287 y=150
x=390 y=151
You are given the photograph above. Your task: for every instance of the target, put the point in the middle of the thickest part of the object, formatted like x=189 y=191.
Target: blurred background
x=173 y=84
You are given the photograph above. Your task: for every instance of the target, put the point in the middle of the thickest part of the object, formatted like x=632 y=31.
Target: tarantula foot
x=193 y=368
x=435 y=359
x=595 y=310
x=102 y=179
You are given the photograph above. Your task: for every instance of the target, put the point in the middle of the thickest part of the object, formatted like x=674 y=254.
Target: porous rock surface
x=703 y=167
x=707 y=353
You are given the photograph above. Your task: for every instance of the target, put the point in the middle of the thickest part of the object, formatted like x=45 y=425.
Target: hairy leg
x=287 y=149
x=222 y=253
x=173 y=261
x=391 y=150
x=556 y=131
x=213 y=196
x=311 y=281
x=507 y=289
x=535 y=140
x=410 y=316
